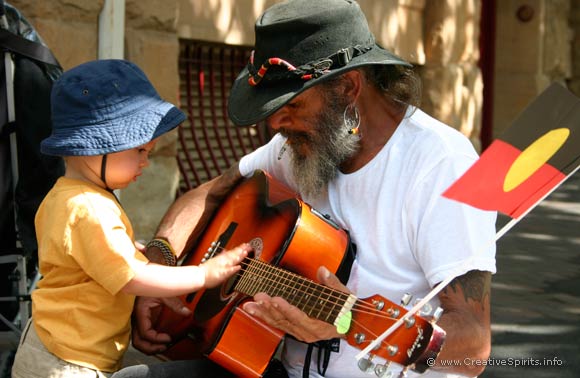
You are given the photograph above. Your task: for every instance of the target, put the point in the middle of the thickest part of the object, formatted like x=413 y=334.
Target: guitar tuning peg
x=381 y=369
x=409 y=322
x=365 y=364
x=379 y=305
x=437 y=314
x=426 y=309
x=406 y=299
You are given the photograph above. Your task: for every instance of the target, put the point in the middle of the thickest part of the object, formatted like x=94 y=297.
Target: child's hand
x=219 y=268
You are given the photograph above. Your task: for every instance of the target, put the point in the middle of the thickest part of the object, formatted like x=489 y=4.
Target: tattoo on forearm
x=475 y=285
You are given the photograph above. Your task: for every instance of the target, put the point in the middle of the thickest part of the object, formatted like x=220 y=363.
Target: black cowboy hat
x=300 y=43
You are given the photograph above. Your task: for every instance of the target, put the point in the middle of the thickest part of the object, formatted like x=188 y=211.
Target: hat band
x=311 y=70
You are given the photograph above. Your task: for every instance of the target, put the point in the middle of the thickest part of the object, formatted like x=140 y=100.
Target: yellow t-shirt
x=86 y=251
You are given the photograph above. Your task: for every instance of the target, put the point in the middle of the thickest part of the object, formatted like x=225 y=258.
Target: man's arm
x=466 y=319
x=187 y=217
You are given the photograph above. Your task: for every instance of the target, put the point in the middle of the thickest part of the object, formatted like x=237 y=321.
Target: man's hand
x=278 y=313
x=145 y=314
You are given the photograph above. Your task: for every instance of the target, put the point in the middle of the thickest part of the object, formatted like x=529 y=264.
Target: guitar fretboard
x=316 y=300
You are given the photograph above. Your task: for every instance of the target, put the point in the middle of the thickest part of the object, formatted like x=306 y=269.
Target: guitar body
x=284 y=232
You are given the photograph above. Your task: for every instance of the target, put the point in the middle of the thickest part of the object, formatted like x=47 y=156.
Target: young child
x=106 y=119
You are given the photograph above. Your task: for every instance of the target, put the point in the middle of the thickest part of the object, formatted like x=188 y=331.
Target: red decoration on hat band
x=255 y=79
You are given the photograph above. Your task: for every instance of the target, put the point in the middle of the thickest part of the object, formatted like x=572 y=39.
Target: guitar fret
x=338 y=305
x=315 y=300
x=292 y=291
x=320 y=303
x=256 y=285
x=264 y=281
x=300 y=293
x=331 y=305
x=249 y=283
x=243 y=285
x=273 y=281
x=311 y=297
x=280 y=280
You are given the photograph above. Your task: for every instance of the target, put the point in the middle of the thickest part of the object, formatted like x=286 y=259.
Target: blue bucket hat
x=106 y=106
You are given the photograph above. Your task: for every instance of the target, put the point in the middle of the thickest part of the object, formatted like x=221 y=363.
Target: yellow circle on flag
x=534 y=156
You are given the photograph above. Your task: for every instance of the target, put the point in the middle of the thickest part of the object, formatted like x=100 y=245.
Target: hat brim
x=103 y=138
x=248 y=104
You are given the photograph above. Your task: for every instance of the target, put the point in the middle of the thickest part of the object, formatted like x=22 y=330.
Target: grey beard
x=331 y=146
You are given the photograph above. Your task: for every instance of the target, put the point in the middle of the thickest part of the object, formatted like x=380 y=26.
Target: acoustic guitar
x=290 y=241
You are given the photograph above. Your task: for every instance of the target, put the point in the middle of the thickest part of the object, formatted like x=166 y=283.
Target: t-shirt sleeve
x=101 y=245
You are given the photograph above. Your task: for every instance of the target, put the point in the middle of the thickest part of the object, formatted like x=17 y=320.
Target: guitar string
x=334 y=297
x=303 y=291
x=284 y=276
x=358 y=306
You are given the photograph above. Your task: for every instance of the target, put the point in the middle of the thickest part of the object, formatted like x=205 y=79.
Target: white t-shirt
x=408 y=237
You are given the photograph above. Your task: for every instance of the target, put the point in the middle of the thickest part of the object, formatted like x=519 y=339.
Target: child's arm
x=165 y=281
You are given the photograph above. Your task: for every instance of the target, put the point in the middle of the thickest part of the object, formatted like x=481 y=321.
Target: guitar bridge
x=218 y=245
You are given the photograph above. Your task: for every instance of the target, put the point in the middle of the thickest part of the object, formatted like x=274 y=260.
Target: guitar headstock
x=412 y=344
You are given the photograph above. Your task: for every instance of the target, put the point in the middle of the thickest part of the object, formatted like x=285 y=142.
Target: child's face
x=125 y=166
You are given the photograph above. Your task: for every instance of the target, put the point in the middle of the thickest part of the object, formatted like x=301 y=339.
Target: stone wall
x=68 y=27
x=397 y=24
x=532 y=50
x=452 y=81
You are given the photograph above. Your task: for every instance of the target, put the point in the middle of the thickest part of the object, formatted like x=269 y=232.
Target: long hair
x=399 y=83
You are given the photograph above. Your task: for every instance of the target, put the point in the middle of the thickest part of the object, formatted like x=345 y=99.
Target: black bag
x=35 y=70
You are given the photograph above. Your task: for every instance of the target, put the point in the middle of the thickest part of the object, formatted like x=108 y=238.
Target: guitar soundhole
x=211 y=303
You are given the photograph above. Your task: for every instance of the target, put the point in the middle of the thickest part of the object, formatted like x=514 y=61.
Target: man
x=353 y=143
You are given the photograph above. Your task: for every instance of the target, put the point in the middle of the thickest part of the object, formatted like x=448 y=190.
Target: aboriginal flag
x=530 y=159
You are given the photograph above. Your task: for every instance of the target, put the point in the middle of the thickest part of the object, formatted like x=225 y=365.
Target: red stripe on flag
x=482 y=185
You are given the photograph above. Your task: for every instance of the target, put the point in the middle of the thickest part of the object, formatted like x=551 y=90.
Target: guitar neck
x=316 y=300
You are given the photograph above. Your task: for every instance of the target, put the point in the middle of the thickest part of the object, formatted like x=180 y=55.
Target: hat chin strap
x=103 y=172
